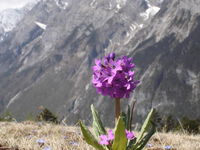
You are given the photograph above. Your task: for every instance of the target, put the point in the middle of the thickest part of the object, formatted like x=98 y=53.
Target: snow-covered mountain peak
x=10 y=17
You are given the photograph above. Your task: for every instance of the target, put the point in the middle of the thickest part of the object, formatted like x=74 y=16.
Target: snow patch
x=132 y=27
x=120 y=4
x=178 y=71
x=110 y=6
x=58 y=69
x=93 y=4
x=127 y=34
x=41 y=25
x=150 y=11
x=13 y=99
x=192 y=78
x=1 y=39
x=192 y=74
x=141 y=25
x=61 y=4
x=87 y=87
x=65 y=5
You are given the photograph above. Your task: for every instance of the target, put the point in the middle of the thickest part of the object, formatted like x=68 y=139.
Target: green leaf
x=97 y=123
x=120 y=140
x=131 y=144
x=146 y=125
x=131 y=114
x=89 y=138
x=146 y=138
x=147 y=130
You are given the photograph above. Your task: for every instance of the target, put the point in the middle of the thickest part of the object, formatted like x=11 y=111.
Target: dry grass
x=23 y=136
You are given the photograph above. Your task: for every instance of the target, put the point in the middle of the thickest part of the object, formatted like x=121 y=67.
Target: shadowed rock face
x=52 y=66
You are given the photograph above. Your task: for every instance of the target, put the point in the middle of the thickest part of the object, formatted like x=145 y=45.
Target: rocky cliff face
x=46 y=60
x=168 y=60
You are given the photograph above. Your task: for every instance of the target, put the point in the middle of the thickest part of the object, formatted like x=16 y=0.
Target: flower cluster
x=107 y=139
x=129 y=135
x=114 y=77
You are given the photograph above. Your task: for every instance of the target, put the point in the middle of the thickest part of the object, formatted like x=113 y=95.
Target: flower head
x=114 y=77
x=130 y=135
x=111 y=135
x=168 y=147
x=40 y=141
x=74 y=143
x=47 y=148
x=106 y=139
x=149 y=145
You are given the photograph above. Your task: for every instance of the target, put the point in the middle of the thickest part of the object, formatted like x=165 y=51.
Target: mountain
x=46 y=60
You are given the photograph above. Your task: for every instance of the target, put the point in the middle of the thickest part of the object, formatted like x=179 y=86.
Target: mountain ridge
x=61 y=55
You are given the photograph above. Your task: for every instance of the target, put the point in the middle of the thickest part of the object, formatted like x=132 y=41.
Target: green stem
x=117 y=109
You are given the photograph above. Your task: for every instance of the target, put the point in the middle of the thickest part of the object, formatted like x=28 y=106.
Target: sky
x=4 y=4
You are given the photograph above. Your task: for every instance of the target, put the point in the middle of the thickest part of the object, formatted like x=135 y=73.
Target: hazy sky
x=12 y=3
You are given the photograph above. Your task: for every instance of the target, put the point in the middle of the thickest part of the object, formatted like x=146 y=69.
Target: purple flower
x=106 y=139
x=111 y=135
x=66 y=137
x=29 y=136
x=74 y=143
x=168 y=147
x=40 y=141
x=149 y=145
x=130 y=135
x=114 y=77
x=46 y=148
